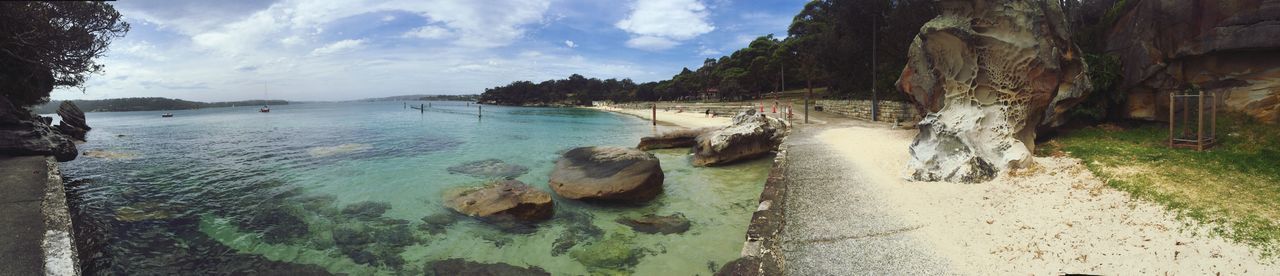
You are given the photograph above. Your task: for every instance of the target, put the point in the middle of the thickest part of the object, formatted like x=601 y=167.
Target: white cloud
x=429 y=32
x=340 y=46
x=570 y=44
x=651 y=43
x=662 y=24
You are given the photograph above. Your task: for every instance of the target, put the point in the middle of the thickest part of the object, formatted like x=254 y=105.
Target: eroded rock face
x=23 y=133
x=611 y=174
x=680 y=138
x=749 y=136
x=988 y=73
x=502 y=200
x=73 y=123
x=1229 y=47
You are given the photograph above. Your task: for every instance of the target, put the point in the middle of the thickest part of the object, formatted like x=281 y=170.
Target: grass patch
x=1234 y=187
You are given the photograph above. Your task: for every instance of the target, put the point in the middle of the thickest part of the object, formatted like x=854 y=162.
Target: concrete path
x=835 y=224
x=35 y=227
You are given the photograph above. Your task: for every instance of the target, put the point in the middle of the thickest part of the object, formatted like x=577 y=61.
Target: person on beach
x=707 y=113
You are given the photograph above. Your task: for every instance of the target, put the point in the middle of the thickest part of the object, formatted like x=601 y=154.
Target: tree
x=44 y=45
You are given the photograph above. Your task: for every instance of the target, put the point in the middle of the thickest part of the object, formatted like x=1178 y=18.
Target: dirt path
x=1056 y=218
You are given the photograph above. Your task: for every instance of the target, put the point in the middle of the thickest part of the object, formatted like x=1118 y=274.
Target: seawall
x=35 y=224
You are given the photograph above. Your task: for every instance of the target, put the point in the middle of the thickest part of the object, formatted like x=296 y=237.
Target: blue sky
x=348 y=49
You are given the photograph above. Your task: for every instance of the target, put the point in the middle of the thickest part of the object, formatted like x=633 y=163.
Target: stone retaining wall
x=890 y=111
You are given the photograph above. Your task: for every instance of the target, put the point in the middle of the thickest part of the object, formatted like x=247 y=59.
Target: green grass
x=1234 y=187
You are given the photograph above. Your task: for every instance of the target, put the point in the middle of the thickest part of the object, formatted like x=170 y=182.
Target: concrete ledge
x=762 y=251
x=58 y=246
x=35 y=224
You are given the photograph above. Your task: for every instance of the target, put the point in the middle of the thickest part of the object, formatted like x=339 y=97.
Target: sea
x=357 y=188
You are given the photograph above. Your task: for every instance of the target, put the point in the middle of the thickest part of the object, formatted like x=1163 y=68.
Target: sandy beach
x=1056 y=218
x=680 y=119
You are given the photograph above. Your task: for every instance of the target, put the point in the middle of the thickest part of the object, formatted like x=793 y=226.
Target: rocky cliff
x=23 y=133
x=1230 y=47
x=988 y=73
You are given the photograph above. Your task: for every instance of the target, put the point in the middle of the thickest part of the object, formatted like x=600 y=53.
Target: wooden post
x=1200 y=122
x=1173 y=105
x=479 y=110
x=421 y=109
x=654 y=117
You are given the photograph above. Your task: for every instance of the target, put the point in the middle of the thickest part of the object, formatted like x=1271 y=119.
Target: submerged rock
x=612 y=174
x=489 y=168
x=616 y=254
x=276 y=225
x=463 y=267
x=109 y=154
x=680 y=138
x=437 y=223
x=142 y=212
x=319 y=152
x=579 y=229
x=502 y=201
x=655 y=224
x=988 y=73
x=751 y=135
x=367 y=210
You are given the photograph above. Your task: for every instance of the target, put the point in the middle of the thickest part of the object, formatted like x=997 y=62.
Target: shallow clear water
x=231 y=190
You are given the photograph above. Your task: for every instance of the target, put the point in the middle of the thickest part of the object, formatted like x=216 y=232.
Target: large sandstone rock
x=1228 y=47
x=607 y=174
x=680 y=138
x=73 y=123
x=988 y=73
x=23 y=133
x=502 y=200
x=749 y=136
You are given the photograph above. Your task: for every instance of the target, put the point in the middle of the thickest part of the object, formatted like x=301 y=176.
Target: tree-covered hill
x=147 y=104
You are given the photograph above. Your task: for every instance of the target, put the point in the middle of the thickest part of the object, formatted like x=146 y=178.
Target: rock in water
x=490 y=168
x=655 y=224
x=1228 y=47
x=464 y=267
x=366 y=210
x=988 y=73
x=611 y=174
x=502 y=200
x=73 y=123
x=680 y=138
x=749 y=136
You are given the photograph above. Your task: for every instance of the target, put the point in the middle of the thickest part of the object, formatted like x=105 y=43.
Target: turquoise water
x=231 y=190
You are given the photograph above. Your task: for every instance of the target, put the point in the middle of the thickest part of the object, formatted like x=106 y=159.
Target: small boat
x=264 y=109
x=166 y=115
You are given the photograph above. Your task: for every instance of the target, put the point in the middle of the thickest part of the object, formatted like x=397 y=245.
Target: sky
x=327 y=50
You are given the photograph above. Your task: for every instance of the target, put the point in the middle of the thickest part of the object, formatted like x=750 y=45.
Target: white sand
x=682 y=119
x=1058 y=219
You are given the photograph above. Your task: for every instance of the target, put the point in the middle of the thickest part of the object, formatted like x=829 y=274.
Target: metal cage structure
x=1193 y=119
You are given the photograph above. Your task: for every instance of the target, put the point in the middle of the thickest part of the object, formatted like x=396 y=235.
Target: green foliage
x=44 y=45
x=1231 y=187
x=1104 y=75
x=575 y=90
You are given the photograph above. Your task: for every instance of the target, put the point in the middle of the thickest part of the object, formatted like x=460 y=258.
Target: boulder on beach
x=607 y=174
x=655 y=224
x=751 y=135
x=504 y=200
x=465 y=267
x=988 y=75
x=489 y=168
x=680 y=138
